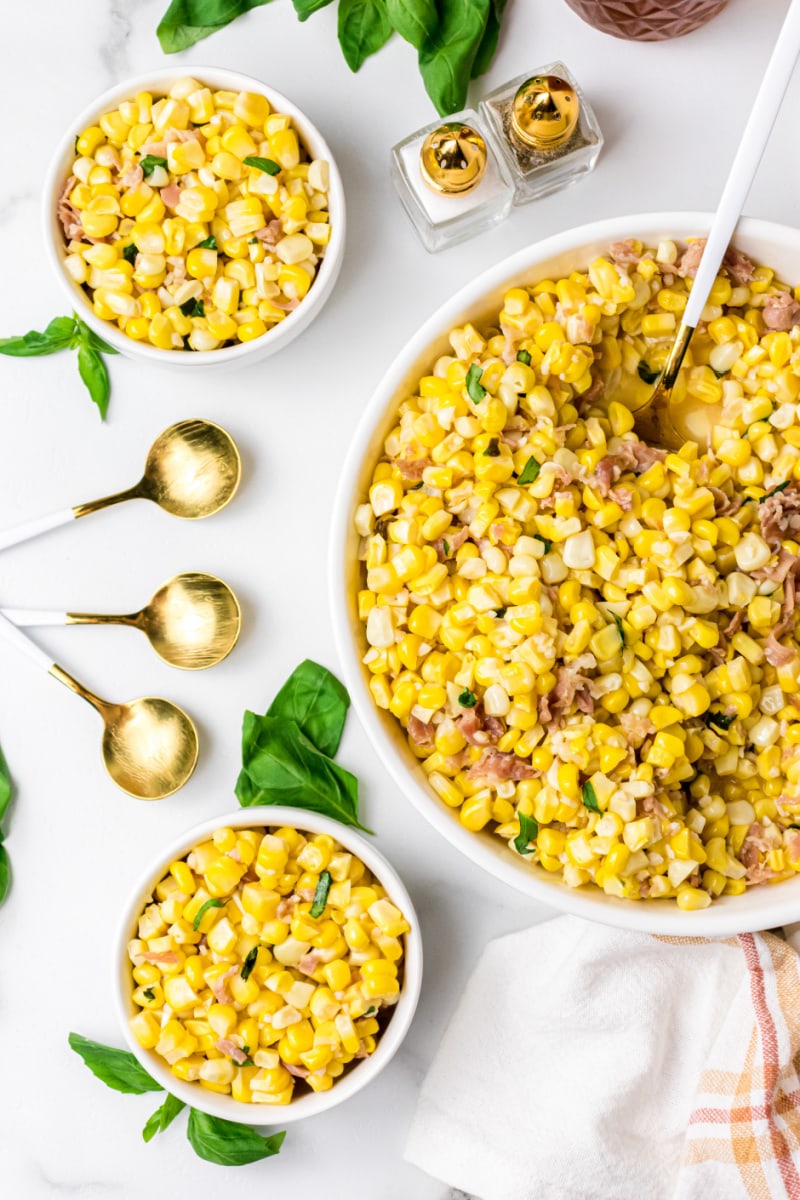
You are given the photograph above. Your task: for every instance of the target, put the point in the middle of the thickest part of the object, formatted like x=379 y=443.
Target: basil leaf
x=528 y=832
x=467 y=699
x=57 y=336
x=413 y=19
x=130 y=252
x=5 y=872
x=780 y=488
x=493 y=449
x=287 y=768
x=193 y=308
x=150 y=162
x=530 y=472
x=209 y=243
x=475 y=389
x=306 y=8
x=247 y=968
x=590 y=797
x=491 y=34
x=524 y=356
x=620 y=630
x=548 y=545
x=203 y=909
x=163 y=1117
x=94 y=373
x=448 y=54
x=719 y=719
x=267 y=165
x=647 y=374
x=229 y=1144
x=117 y=1069
x=316 y=701
x=149 y=994
x=363 y=28
x=499 y=613
x=446 y=547
x=5 y=786
x=321 y=894
x=84 y=333
x=188 y=21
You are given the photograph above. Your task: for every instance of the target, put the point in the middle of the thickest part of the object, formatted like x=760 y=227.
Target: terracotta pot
x=647 y=20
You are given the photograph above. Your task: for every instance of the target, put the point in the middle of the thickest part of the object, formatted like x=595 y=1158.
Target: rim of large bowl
x=330 y=264
x=727 y=915
x=396 y=1028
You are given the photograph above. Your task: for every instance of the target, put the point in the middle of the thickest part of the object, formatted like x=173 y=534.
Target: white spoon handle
x=32 y=616
x=10 y=633
x=32 y=529
x=745 y=164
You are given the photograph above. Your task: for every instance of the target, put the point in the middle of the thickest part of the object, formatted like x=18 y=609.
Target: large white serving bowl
x=159 y=82
x=479 y=301
x=308 y=1104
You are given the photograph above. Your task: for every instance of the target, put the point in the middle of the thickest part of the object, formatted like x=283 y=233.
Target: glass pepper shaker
x=546 y=131
x=451 y=180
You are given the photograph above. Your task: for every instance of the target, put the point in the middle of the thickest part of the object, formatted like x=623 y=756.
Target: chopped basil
x=620 y=630
x=251 y=241
x=446 y=547
x=647 y=374
x=77 y=139
x=467 y=699
x=530 y=472
x=780 y=488
x=193 y=308
x=528 y=832
x=523 y=356
x=590 y=797
x=416 y=486
x=718 y=374
x=372 y=1009
x=719 y=719
x=267 y=165
x=493 y=449
x=321 y=894
x=129 y=253
x=149 y=994
x=202 y=910
x=210 y=243
x=500 y=613
x=150 y=162
x=247 y=968
x=475 y=389
x=548 y=545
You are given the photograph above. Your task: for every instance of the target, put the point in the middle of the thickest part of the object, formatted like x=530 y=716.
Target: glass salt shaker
x=546 y=130
x=451 y=180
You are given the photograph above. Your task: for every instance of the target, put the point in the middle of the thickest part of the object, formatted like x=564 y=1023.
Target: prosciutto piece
x=632 y=456
x=781 y=312
x=478 y=729
x=226 y=1046
x=412 y=468
x=420 y=732
x=779 y=515
x=624 y=253
x=495 y=767
x=571 y=687
x=738 y=265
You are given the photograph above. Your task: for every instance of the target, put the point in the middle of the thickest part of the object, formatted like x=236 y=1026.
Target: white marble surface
x=671 y=114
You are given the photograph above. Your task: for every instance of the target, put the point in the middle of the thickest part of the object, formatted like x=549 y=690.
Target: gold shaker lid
x=545 y=111
x=453 y=159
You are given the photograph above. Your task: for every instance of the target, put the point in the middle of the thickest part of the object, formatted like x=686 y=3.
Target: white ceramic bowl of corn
x=478 y=302
x=279 y=328
x=395 y=1016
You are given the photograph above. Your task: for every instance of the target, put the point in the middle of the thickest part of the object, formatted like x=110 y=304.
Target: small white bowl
x=355 y=1077
x=247 y=352
x=479 y=301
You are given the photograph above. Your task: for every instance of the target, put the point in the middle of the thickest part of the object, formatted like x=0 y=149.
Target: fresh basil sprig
x=589 y=797
x=5 y=800
x=286 y=754
x=267 y=165
x=69 y=333
x=217 y=1141
x=528 y=832
x=455 y=40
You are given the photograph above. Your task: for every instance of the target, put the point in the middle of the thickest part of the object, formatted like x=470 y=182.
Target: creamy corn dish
x=265 y=961
x=591 y=642
x=195 y=220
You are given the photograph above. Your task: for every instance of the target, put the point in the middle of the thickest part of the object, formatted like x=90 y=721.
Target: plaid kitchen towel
x=589 y=1063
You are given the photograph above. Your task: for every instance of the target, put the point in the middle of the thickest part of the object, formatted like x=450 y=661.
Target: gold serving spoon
x=150 y=745
x=193 y=621
x=658 y=418
x=192 y=471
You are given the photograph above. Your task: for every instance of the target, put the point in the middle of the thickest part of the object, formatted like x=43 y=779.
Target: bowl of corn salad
x=578 y=653
x=271 y=959
x=195 y=219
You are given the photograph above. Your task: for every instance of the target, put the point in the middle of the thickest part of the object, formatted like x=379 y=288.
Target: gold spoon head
x=193 y=621
x=193 y=469
x=150 y=747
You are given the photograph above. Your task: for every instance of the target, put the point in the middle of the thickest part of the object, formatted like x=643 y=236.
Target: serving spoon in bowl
x=192 y=471
x=193 y=621
x=657 y=418
x=150 y=745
